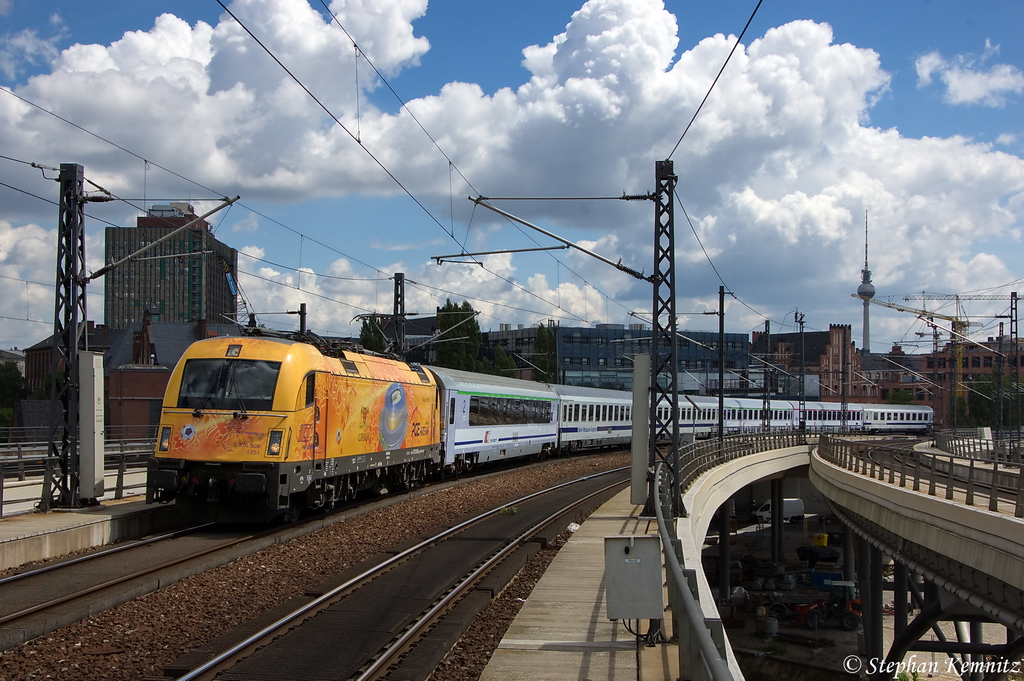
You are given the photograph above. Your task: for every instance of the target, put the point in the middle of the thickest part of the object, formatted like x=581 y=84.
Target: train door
x=449 y=416
x=320 y=412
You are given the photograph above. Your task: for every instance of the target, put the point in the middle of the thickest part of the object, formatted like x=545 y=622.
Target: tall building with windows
x=187 y=278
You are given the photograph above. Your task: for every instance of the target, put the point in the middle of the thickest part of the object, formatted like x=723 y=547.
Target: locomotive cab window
x=310 y=389
x=236 y=384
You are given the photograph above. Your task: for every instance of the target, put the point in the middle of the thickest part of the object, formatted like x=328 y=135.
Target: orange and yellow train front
x=253 y=427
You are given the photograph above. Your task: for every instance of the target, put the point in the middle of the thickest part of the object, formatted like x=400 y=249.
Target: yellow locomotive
x=254 y=428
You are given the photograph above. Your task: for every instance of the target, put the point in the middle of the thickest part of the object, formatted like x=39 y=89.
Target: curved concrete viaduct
x=971 y=557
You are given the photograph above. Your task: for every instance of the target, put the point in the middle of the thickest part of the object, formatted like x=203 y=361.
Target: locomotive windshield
x=231 y=384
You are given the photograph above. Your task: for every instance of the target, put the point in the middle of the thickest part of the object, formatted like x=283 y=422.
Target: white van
x=792 y=510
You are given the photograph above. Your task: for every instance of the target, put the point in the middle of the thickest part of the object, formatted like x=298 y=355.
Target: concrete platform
x=563 y=632
x=42 y=536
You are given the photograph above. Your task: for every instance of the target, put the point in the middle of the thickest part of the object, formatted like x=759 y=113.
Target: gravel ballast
x=137 y=638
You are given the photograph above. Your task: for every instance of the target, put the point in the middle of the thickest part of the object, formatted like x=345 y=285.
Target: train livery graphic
x=258 y=427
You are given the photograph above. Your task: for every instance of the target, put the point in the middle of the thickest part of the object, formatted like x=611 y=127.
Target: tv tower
x=866 y=289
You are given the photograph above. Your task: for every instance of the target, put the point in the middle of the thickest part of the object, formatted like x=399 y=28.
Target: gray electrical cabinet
x=633 y=577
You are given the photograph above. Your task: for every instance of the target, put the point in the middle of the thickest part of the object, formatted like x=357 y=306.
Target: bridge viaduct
x=957 y=549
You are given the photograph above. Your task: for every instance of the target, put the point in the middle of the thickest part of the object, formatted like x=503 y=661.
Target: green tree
x=43 y=391
x=371 y=335
x=981 y=407
x=6 y=420
x=458 y=342
x=12 y=385
x=503 y=364
x=900 y=396
x=545 y=355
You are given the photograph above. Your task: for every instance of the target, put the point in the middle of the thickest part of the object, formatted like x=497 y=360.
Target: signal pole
x=766 y=384
x=799 y=318
x=399 y=314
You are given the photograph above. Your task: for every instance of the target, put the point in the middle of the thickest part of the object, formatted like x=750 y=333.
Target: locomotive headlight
x=165 y=438
x=274 y=449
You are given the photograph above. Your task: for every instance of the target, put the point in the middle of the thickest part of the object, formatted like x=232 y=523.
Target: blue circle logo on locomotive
x=394 y=417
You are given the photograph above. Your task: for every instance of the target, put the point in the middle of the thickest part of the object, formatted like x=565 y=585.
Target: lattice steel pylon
x=60 y=484
x=664 y=365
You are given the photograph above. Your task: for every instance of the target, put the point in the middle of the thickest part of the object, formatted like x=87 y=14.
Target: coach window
x=451 y=411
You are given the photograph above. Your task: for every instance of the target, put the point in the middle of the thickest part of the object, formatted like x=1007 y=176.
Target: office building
x=185 y=278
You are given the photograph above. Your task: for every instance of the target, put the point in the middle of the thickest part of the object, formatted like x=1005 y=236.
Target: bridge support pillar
x=724 y=551
x=869 y=579
x=777 y=520
x=877 y=644
x=899 y=598
x=849 y=564
x=977 y=636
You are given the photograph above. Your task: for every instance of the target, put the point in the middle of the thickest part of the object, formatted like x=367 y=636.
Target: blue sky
x=910 y=111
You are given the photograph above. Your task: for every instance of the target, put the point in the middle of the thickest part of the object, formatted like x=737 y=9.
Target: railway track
x=362 y=625
x=41 y=600
x=38 y=601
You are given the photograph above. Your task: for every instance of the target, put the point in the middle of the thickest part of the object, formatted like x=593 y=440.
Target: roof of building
x=170 y=340
x=815 y=343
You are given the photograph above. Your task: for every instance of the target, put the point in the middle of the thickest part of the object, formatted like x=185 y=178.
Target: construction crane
x=924 y=295
x=958 y=327
x=1012 y=299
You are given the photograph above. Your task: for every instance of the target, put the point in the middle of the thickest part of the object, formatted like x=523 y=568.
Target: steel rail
x=229 y=657
x=14 y=616
x=412 y=633
x=99 y=554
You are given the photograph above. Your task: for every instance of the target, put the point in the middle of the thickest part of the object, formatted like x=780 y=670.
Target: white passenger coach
x=486 y=418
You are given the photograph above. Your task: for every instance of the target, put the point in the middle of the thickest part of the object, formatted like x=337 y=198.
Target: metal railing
x=699 y=457
x=34 y=435
x=702 y=640
x=1007 y=450
x=978 y=477
x=22 y=467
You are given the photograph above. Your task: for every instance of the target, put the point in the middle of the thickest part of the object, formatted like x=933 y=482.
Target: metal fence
x=1007 y=450
x=702 y=640
x=23 y=464
x=34 y=435
x=993 y=478
x=699 y=457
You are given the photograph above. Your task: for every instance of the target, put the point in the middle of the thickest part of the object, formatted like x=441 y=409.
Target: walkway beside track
x=562 y=633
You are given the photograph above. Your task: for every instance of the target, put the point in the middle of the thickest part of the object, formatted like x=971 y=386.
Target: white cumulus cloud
x=776 y=173
x=969 y=79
